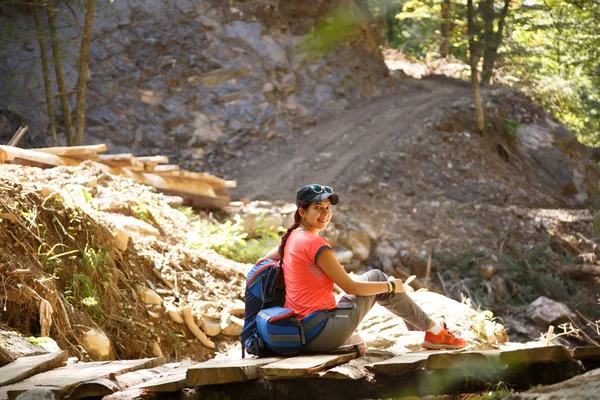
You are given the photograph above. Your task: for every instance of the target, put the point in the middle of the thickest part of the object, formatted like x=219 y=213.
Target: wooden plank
x=63 y=380
x=467 y=359
x=118 y=160
x=354 y=369
x=402 y=364
x=166 y=168
x=300 y=366
x=546 y=354
x=587 y=353
x=167 y=383
x=15 y=155
x=14 y=346
x=226 y=371
x=134 y=379
x=76 y=152
x=153 y=159
x=25 y=367
x=200 y=176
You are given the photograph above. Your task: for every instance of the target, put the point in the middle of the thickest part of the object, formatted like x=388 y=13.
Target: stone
x=97 y=345
x=359 y=242
x=544 y=312
x=344 y=255
x=149 y=296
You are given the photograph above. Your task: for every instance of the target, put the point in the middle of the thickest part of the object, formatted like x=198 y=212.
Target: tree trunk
x=60 y=78
x=445 y=28
x=46 y=74
x=389 y=24
x=492 y=40
x=473 y=61
x=82 y=70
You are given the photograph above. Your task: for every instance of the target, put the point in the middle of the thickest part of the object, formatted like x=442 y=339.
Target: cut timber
x=304 y=365
x=166 y=168
x=134 y=379
x=153 y=159
x=76 y=152
x=226 y=371
x=581 y=271
x=118 y=160
x=484 y=359
x=587 y=353
x=24 y=367
x=546 y=354
x=199 y=189
x=354 y=369
x=15 y=155
x=63 y=380
x=167 y=383
x=201 y=176
x=13 y=346
x=403 y=364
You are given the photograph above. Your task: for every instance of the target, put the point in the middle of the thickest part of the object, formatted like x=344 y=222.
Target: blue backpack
x=269 y=328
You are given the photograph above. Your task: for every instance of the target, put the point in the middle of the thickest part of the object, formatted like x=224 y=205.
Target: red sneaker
x=443 y=340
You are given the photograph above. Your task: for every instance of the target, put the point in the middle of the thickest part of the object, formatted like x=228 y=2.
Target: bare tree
x=445 y=27
x=491 y=37
x=46 y=73
x=473 y=61
x=60 y=77
x=82 y=70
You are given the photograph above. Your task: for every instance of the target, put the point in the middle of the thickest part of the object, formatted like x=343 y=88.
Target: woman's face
x=317 y=216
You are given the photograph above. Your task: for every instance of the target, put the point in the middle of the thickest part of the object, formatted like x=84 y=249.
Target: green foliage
x=82 y=294
x=230 y=239
x=141 y=212
x=554 y=52
x=530 y=273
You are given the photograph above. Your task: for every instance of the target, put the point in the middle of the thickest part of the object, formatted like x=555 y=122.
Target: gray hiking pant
x=351 y=310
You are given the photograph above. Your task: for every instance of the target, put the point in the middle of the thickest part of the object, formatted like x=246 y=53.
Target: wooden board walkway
x=131 y=378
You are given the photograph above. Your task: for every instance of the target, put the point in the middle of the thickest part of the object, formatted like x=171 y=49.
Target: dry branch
x=191 y=324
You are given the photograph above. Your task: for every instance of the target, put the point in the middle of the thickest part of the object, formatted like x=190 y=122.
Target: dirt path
x=338 y=150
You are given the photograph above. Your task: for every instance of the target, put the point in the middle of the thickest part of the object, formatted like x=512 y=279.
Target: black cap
x=316 y=193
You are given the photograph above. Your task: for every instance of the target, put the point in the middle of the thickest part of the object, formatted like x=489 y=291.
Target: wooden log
x=227 y=371
x=13 y=346
x=303 y=366
x=468 y=359
x=167 y=383
x=354 y=369
x=581 y=271
x=118 y=160
x=18 y=135
x=545 y=354
x=200 y=176
x=130 y=380
x=15 y=155
x=587 y=353
x=166 y=168
x=402 y=364
x=63 y=380
x=153 y=159
x=76 y=152
x=24 y=367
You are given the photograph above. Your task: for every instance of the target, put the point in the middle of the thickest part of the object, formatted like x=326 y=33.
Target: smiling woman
x=310 y=270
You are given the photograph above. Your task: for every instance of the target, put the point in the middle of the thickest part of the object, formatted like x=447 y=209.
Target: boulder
x=544 y=312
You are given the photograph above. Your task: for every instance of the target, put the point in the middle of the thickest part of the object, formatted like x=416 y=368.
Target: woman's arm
x=273 y=253
x=334 y=270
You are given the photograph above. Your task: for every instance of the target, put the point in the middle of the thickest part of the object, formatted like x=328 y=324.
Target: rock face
x=166 y=76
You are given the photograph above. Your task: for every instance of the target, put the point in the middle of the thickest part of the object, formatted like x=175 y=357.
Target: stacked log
x=197 y=189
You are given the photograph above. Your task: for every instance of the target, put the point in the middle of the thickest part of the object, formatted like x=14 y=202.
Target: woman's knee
x=375 y=275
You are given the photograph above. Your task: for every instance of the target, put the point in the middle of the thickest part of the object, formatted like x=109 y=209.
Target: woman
x=310 y=270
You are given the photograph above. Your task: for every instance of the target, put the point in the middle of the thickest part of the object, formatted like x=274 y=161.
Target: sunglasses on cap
x=318 y=189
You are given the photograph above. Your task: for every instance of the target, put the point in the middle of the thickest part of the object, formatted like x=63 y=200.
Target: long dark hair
x=296 y=224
